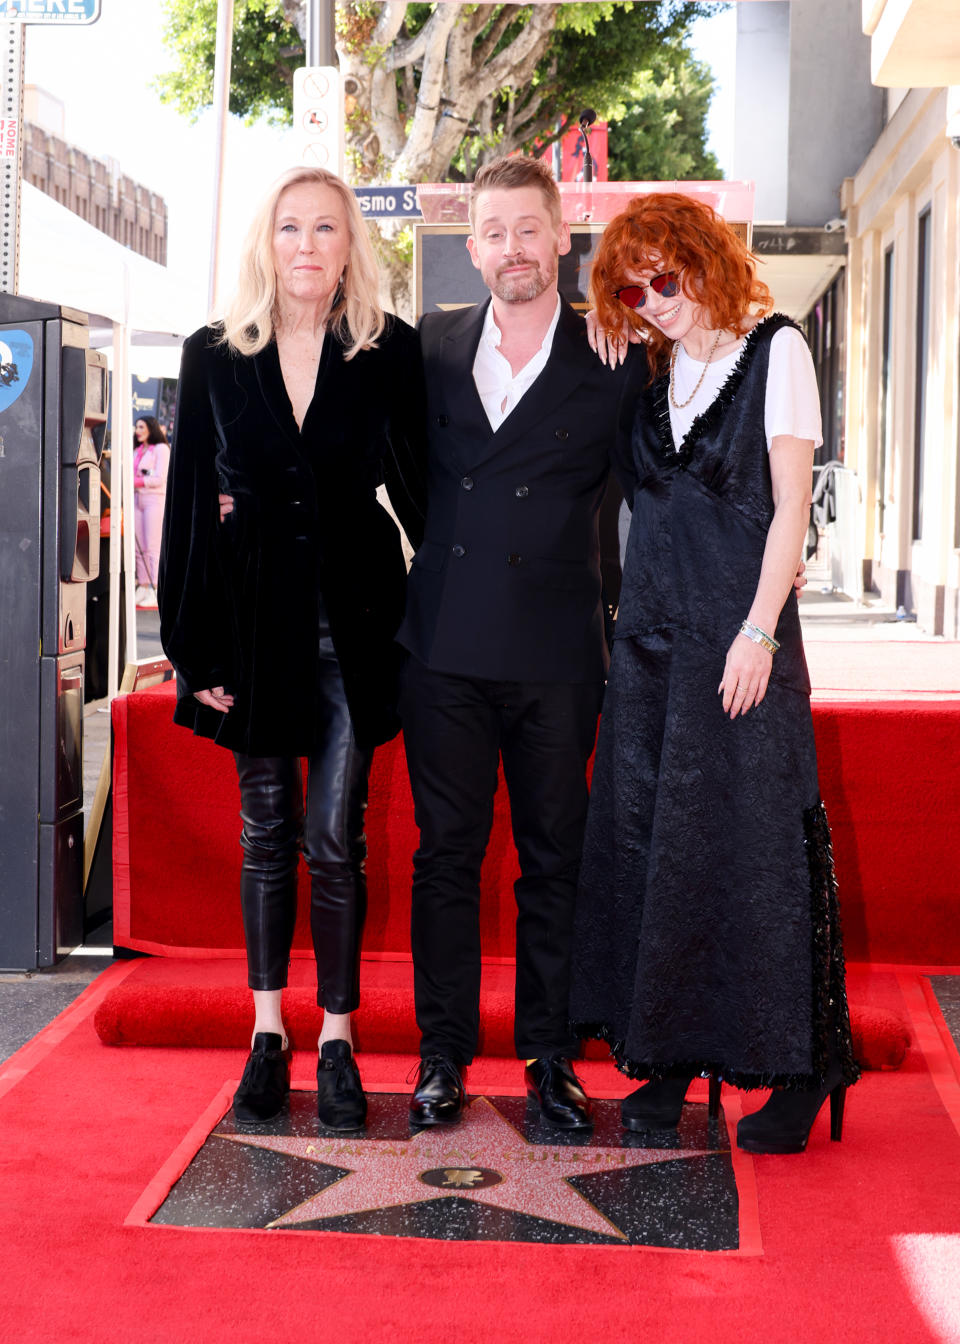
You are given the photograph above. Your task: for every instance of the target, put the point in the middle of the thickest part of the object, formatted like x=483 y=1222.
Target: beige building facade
x=848 y=118
x=902 y=210
x=95 y=189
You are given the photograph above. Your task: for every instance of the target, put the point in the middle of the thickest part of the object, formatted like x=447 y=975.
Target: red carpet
x=860 y=1240
x=889 y=773
x=193 y=1002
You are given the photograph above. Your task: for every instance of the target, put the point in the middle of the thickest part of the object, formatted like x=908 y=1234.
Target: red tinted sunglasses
x=635 y=296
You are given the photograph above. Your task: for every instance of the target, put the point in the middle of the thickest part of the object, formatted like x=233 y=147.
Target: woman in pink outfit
x=150 y=461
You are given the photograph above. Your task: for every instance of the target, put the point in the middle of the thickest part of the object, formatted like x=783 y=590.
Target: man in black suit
x=505 y=632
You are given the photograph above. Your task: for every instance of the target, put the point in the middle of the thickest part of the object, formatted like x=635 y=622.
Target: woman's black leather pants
x=330 y=831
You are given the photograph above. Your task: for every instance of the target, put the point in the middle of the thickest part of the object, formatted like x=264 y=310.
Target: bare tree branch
x=500 y=26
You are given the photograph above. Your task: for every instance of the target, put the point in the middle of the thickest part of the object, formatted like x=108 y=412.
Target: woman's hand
x=215 y=698
x=226 y=506
x=745 y=676
x=610 y=346
x=747 y=669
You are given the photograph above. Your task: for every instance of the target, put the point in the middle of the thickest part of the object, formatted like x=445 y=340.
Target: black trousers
x=456 y=729
x=330 y=831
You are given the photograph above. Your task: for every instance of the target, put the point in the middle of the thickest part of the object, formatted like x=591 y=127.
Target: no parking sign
x=318 y=117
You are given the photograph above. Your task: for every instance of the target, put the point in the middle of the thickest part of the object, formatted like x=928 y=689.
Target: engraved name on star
x=485 y=1160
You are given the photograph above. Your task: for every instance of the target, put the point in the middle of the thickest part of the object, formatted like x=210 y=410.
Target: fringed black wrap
x=831 y=1014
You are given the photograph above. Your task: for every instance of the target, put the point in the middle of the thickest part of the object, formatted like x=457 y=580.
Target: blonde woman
x=279 y=620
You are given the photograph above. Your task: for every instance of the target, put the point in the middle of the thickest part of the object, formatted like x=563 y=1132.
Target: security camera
x=835 y=225
x=955 y=140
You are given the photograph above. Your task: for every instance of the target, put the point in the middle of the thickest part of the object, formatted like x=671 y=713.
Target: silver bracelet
x=759 y=636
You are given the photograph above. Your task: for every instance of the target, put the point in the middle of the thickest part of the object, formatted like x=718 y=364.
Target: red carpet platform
x=202 y=1002
x=889 y=774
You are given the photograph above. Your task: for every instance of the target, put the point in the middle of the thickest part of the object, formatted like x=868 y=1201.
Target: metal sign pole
x=119 y=432
x=221 y=106
x=11 y=154
x=321 y=41
x=14 y=15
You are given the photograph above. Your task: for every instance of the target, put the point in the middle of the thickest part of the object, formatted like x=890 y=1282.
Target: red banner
x=572 y=151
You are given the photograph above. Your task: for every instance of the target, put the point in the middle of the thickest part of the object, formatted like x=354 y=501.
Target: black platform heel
x=659 y=1105
x=784 y=1123
x=713 y=1097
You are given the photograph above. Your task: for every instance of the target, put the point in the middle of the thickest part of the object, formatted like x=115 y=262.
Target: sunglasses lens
x=665 y=285
x=632 y=295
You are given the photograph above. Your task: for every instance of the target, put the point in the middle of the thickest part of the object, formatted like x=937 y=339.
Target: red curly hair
x=667 y=231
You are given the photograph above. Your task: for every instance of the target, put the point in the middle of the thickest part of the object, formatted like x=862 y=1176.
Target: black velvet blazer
x=239 y=600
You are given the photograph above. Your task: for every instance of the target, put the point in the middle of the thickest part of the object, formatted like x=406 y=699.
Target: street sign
x=318 y=117
x=388 y=202
x=50 y=11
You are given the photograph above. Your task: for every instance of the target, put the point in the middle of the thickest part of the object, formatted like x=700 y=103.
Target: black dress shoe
x=340 y=1100
x=554 y=1087
x=438 y=1096
x=265 y=1085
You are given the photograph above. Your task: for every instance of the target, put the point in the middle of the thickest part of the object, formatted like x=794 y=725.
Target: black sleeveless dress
x=707 y=935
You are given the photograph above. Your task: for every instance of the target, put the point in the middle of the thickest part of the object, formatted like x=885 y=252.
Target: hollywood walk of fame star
x=484 y=1159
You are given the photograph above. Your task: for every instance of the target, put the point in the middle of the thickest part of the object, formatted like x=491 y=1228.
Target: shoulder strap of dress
x=756 y=340
x=767 y=328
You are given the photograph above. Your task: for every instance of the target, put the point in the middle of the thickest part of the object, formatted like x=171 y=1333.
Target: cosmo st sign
x=50 y=11
x=388 y=202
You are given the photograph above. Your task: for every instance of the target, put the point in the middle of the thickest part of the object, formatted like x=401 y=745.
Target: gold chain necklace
x=679 y=405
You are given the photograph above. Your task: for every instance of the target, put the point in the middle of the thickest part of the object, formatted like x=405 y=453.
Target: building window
x=886 y=388
x=923 y=361
x=825 y=328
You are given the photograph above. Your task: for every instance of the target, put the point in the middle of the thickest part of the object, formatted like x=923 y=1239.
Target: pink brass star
x=385 y=1173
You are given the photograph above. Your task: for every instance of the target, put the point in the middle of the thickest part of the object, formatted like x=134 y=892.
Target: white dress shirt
x=499 y=388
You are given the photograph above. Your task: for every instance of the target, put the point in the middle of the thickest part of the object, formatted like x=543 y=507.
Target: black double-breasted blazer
x=239 y=600
x=506 y=584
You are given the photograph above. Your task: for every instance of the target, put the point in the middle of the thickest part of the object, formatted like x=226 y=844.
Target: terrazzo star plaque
x=498 y=1175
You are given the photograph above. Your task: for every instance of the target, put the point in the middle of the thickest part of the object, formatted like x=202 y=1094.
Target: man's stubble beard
x=522 y=291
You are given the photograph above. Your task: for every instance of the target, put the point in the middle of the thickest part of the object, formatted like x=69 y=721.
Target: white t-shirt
x=792 y=403
x=498 y=388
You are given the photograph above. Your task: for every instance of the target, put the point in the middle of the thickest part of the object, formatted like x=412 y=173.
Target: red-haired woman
x=707 y=936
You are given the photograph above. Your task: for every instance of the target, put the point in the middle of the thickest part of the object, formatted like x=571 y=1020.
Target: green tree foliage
x=266 y=50
x=661 y=133
x=434 y=90
x=598 y=53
